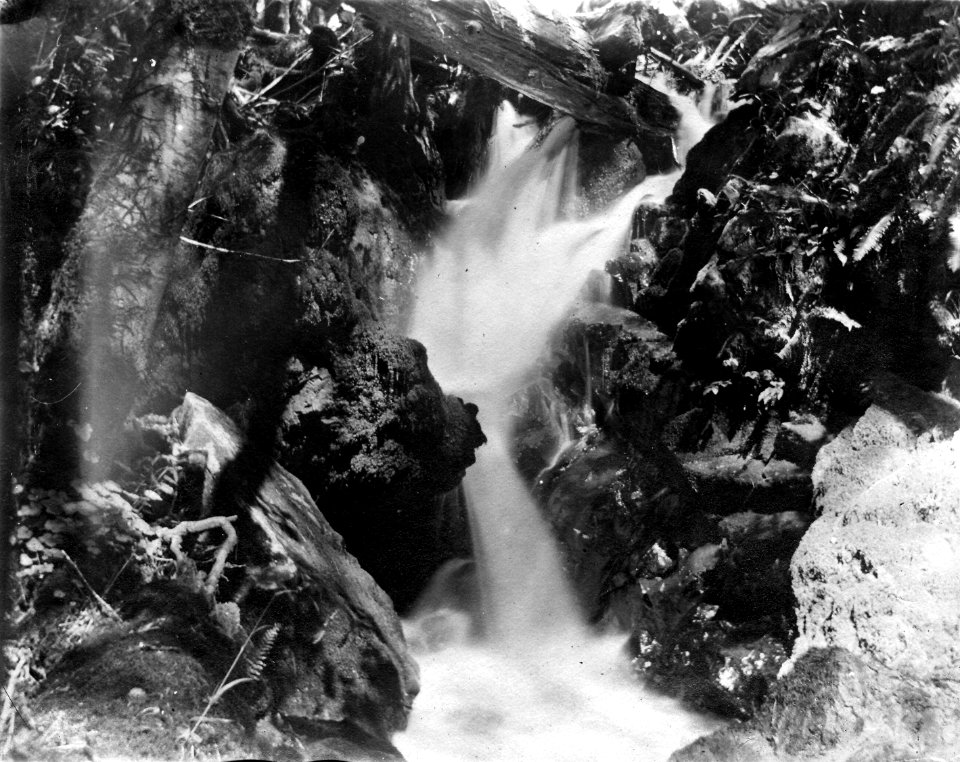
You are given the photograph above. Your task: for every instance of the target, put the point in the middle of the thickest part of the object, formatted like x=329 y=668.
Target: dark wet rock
x=464 y=114
x=706 y=15
x=342 y=653
x=623 y=361
x=709 y=284
x=607 y=169
x=667 y=299
x=323 y=739
x=742 y=232
x=719 y=154
x=632 y=273
x=385 y=422
x=606 y=366
x=610 y=504
x=807 y=141
x=729 y=484
x=667 y=232
x=379 y=445
x=800 y=439
x=685 y=646
x=620 y=29
x=752 y=577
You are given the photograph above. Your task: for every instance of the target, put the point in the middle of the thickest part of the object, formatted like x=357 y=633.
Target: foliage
x=254 y=659
x=82 y=547
x=852 y=214
x=680 y=645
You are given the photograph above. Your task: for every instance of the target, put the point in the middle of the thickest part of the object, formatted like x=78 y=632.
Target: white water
x=534 y=684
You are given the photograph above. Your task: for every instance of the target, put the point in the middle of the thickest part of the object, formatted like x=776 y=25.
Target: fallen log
x=544 y=56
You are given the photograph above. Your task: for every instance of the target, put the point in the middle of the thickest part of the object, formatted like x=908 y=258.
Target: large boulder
x=875 y=573
x=378 y=444
x=874 y=670
x=341 y=654
x=622 y=513
x=721 y=152
x=837 y=707
x=807 y=142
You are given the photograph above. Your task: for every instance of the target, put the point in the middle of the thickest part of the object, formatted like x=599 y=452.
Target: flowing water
x=519 y=677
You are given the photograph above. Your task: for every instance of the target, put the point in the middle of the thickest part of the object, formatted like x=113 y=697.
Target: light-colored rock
x=879 y=572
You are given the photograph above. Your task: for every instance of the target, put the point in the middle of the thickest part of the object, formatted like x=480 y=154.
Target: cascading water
x=534 y=684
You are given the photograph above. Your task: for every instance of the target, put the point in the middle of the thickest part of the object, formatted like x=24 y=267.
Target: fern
x=257 y=660
x=953 y=235
x=255 y=665
x=840 y=249
x=945 y=136
x=872 y=240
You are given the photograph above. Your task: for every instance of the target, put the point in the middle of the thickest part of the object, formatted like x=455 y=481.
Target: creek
x=512 y=672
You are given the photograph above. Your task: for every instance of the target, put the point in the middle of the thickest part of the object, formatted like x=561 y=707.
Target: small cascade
x=525 y=680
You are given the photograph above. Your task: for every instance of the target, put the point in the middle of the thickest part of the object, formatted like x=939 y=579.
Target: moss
x=217 y=23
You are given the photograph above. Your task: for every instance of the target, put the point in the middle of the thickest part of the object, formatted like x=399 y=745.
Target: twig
x=264 y=90
x=107 y=609
x=221 y=250
x=678 y=68
x=736 y=44
x=41 y=402
x=117 y=575
x=175 y=536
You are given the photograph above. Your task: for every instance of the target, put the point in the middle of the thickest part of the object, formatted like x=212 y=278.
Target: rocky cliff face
x=800 y=264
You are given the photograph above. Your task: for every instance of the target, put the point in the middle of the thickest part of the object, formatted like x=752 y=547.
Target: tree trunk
x=106 y=296
x=546 y=57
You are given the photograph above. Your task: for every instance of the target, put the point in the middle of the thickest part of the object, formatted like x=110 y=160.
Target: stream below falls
x=515 y=674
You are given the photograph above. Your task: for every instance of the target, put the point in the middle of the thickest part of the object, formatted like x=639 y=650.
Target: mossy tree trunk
x=98 y=324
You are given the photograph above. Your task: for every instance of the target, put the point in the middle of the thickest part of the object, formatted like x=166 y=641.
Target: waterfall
x=534 y=684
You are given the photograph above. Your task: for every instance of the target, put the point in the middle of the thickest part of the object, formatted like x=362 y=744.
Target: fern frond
x=257 y=660
x=872 y=240
x=840 y=249
x=944 y=138
x=839 y=317
x=953 y=234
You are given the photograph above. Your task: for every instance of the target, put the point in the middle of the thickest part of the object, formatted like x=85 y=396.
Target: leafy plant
x=255 y=662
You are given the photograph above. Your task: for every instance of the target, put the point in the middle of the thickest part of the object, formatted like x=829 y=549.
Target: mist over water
x=516 y=674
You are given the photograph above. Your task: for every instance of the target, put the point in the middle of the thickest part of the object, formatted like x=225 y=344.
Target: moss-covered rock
x=379 y=444
x=834 y=706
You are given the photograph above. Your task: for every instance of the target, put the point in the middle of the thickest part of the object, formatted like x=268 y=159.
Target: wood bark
x=546 y=57
x=107 y=294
